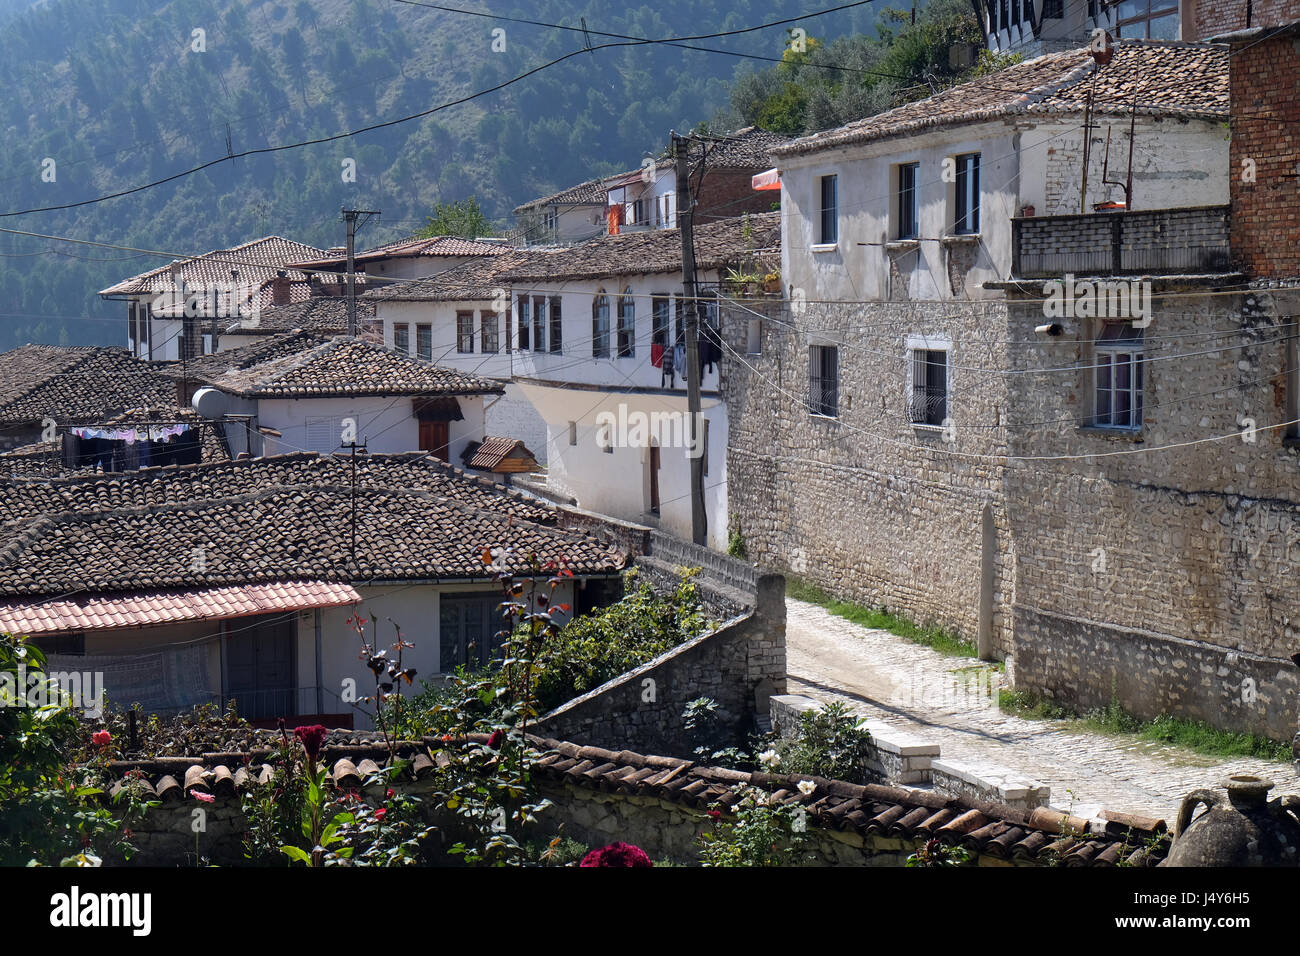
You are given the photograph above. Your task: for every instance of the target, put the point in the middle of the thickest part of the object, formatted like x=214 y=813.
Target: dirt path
x=952 y=701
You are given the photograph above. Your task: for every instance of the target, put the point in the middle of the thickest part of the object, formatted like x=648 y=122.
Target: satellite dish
x=211 y=403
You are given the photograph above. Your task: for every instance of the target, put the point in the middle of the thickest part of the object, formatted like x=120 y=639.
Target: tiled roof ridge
x=870 y=809
x=149 y=274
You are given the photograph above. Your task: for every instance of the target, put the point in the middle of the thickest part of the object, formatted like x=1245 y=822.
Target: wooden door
x=654 y=479
x=434 y=437
x=260 y=666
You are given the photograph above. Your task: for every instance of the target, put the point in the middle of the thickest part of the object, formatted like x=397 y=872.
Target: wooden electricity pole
x=350 y=217
x=685 y=225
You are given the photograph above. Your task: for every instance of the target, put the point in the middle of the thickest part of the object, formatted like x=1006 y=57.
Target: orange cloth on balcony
x=615 y=216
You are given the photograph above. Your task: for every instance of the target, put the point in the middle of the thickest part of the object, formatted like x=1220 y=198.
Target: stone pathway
x=952 y=701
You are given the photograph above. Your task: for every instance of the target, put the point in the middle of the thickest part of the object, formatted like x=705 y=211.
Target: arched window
x=600 y=325
x=626 y=325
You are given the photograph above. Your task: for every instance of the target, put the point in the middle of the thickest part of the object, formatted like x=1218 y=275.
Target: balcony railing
x=1188 y=241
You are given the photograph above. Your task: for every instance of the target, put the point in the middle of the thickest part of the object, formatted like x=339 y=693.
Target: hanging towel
x=615 y=215
x=679 y=358
x=657 y=355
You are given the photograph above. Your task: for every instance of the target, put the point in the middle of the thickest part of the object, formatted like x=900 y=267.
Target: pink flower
x=381 y=813
x=203 y=797
x=102 y=738
x=617 y=854
x=495 y=740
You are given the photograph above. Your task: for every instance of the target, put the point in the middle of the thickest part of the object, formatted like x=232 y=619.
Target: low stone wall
x=1085 y=665
x=902 y=759
x=739 y=665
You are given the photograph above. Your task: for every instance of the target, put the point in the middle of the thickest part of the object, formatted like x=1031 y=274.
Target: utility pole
x=350 y=217
x=354 y=447
x=686 y=226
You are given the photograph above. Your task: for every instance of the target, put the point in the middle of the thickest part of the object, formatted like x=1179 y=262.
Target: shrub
x=831 y=743
x=597 y=647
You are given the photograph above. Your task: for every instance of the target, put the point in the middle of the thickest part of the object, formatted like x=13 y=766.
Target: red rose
x=617 y=854
x=715 y=814
x=389 y=794
x=101 y=738
x=495 y=740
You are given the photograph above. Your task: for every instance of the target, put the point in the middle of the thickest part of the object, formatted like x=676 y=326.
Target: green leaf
x=296 y=853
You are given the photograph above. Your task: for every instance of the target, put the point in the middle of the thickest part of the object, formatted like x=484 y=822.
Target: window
x=638 y=211
x=549 y=221
x=668 y=211
x=539 y=324
x=626 y=325
x=465 y=332
x=967 y=220
x=1015 y=12
x=468 y=632
x=907 y=206
x=573 y=433
x=600 y=325
x=1118 y=376
x=557 y=325
x=828 y=225
x=824 y=380
x=679 y=331
x=660 y=306
x=324 y=435
x=491 y=334
x=929 y=386
x=402 y=337
x=1150 y=19
x=424 y=342
x=522 y=312
x=1053 y=9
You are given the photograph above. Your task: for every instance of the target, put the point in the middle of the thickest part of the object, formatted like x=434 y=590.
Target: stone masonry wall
x=1158 y=565
x=867 y=505
x=739 y=665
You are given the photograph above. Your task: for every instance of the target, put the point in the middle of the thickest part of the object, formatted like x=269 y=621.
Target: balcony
x=1188 y=241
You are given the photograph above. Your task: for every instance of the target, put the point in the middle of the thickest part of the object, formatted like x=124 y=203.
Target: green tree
x=460 y=218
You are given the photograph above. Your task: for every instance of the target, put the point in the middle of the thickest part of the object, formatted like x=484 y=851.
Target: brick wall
x=1212 y=17
x=1265 y=90
x=726 y=193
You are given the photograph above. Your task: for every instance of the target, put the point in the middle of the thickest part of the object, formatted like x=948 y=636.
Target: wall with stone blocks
x=739 y=665
x=867 y=505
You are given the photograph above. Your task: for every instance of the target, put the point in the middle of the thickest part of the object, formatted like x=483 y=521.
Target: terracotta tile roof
x=1169 y=79
x=267 y=349
x=257 y=263
x=746 y=148
x=657 y=250
x=1040 y=837
x=491 y=452
x=76 y=385
x=429 y=247
x=292 y=532
x=141 y=609
x=321 y=313
x=23 y=501
x=477 y=281
x=345 y=366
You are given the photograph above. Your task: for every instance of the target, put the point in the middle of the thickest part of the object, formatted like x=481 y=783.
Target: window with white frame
x=557 y=325
x=539 y=323
x=465 y=332
x=626 y=325
x=824 y=380
x=523 y=317
x=906 y=206
x=966 y=218
x=828 y=225
x=600 y=325
x=660 y=310
x=929 y=399
x=424 y=342
x=1118 y=375
x=402 y=337
x=491 y=338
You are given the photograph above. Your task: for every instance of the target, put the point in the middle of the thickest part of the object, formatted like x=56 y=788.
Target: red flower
x=495 y=740
x=101 y=738
x=617 y=854
x=446 y=738
x=715 y=814
x=381 y=813
x=389 y=794
x=312 y=737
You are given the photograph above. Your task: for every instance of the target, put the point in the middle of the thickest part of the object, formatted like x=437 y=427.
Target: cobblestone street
x=952 y=701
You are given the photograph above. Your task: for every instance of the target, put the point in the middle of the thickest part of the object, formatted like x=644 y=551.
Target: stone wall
x=739 y=665
x=1158 y=565
x=867 y=505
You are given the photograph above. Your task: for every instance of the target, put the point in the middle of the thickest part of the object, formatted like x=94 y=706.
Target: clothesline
x=132 y=435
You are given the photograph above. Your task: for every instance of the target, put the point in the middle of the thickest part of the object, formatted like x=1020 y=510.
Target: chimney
x=280 y=289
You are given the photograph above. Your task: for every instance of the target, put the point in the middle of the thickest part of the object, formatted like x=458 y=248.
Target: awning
x=441 y=408
x=768 y=180
x=141 y=609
